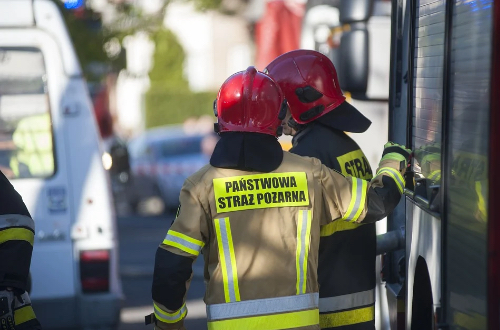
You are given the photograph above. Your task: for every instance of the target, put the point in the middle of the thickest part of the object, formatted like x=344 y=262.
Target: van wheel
x=422 y=307
x=151 y=206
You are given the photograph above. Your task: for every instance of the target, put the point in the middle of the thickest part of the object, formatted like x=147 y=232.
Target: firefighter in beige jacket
x=255 y=214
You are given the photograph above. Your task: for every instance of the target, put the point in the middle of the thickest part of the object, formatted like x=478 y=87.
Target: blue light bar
x=73 y=4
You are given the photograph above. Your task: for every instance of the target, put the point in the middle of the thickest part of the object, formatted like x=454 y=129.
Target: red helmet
x=309 y=81
x=250 y=101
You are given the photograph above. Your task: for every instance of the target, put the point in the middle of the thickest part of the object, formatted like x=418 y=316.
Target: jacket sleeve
x=174 y=259
x=17 y=231
x=356 y=200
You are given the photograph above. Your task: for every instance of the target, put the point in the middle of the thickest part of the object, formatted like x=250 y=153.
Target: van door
x=33 y=153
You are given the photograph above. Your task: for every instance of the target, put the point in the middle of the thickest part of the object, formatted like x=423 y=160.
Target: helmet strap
x=293 y=124
x=311 y=113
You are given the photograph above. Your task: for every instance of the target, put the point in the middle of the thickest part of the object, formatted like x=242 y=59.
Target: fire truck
x=445 y=73
x=441 y=252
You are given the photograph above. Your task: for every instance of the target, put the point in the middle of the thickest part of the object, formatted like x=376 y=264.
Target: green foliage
x=170 y=106
x=168 y=62
x=203 y=5
x=169 y=100
x=88 y=37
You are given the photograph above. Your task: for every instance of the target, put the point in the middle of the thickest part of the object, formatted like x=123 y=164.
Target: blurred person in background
x=16 y=245
x=318 y=117
x=255 y=213
x=34 y=151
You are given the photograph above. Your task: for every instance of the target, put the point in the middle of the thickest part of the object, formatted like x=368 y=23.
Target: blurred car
x=161 y=159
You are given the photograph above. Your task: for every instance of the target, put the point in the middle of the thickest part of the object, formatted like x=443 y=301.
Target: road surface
x=139 y=237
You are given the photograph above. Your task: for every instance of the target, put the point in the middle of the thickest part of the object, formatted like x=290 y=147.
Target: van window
x=26 y=142
x=428 y=88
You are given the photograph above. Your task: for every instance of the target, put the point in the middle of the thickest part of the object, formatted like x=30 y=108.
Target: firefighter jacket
x=346 y=271
x=16 y=245
x=259 y=235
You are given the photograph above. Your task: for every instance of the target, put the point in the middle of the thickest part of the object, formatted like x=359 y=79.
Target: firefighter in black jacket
x=16 y=245
x=320 y=115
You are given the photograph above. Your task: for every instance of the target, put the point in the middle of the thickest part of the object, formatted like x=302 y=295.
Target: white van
x=50 y=149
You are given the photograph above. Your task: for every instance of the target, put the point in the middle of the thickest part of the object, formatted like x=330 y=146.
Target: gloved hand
x=397 y=152
x=6 y=310
x=16 y=312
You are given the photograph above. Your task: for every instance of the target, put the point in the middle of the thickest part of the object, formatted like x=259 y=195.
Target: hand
x=396 y=152
x=6 y=308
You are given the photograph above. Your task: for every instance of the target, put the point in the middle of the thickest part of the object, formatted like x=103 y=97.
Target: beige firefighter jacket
x=259 y=235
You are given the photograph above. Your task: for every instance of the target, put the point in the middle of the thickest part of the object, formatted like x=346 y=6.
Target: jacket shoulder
x=303 y=163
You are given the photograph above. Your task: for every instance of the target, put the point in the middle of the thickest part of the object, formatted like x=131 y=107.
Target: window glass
x=428 y=88
x=26 y=143
x=468 y=147
x=181 y=147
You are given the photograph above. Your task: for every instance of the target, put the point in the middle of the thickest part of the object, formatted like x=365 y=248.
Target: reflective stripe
x=347 y=301
x=170 y=317
x=269 y=322
x=24 y=314
x=16 y=220
x=435 y=176
x=336 y=226
x=396 y=175
x=340 y=319
x=394 y=156
x=358 y=198
x=481 y=204
x=17 y=234
x=227 y=260
x=262 y=306
x=303 y=242
x=183 y=242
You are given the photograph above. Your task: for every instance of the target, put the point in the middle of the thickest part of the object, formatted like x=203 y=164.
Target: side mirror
x=353 y=60
x=354 y=56
x=352 y=11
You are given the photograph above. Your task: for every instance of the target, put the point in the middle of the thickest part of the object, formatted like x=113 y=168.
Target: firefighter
x=320 y=115
x=16 y=246
x=255 y=213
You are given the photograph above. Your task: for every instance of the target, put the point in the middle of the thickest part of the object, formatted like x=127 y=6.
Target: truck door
x=33 y=153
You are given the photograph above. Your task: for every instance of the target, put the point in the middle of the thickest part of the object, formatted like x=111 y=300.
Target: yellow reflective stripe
x=24 y=314
x=167 y=317
x=183 y=242
x=269 y=322
x=233 y=260
x=227 y=260
x=435 y=176
x=481 y=204
x=336 y=226
x=186 y=238
x=353 y=198
x=302 y=252
x=17 y=234
x=361 y=207
x=306 y=248
x=339 y=319
x=393 y=156
x=357 y=203
x=298 y=269
x=396 y=175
